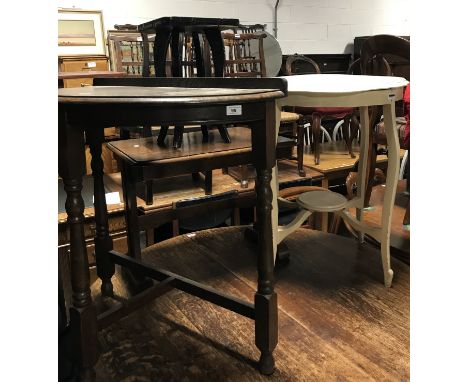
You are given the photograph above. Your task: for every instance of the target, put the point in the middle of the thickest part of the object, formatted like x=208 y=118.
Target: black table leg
x=176 y=52
x=137 y=281
x=103 y=242
x=178 y=136
x=161 y=43
x=146 y=55
x=83 y=317
x=199 y=56
x=215 y=39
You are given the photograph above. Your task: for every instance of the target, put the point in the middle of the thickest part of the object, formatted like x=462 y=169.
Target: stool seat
x=321 y=201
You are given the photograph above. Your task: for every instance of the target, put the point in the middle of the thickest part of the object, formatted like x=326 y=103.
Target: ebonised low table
x=171 y=31
x=157 y=101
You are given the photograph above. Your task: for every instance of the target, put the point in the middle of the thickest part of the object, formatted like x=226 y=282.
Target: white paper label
x=91 y=64
x=112 y=198
x=139 y=38
x=391 y=96
x=234 y=110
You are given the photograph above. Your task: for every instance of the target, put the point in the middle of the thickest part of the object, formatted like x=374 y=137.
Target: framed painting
x=80 y=32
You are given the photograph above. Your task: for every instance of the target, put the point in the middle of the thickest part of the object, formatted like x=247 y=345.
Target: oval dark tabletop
x=163 y=95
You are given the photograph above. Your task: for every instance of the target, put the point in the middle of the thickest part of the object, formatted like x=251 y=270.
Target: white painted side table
x=341 y=90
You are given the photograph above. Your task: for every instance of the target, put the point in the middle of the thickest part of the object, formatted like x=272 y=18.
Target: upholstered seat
x=316 y=114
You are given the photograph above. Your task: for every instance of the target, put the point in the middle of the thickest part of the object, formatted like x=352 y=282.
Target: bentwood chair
x=373 y=62
x=316 y=114
x=245 y=58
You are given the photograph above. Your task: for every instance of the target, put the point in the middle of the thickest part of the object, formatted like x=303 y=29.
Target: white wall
x=304 y=26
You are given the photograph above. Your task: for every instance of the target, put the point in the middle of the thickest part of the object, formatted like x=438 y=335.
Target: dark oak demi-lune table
x=87 y=111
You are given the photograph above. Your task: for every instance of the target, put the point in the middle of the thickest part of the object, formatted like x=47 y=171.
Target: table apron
x=144 y=114
x=369 y=98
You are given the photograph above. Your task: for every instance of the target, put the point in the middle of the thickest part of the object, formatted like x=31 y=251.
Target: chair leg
x=208 y=182
x=178 y=137
x=346 y=127
x=236 y=216
x=335 y=225
x=316 y=122
x=223 y=131
x=204 y=130
x=300 y=148
x=148 y=192
x=146 y=131
x=131 y=213
x=149 y=233
x=175 y=228
x=124 y=133
x=162 y=135
x=311 y=138
x=244 y=175
x=354 y=125
x=406 y=219
x=370 y=173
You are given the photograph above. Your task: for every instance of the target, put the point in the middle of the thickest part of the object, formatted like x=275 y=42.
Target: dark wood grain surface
x=337 y=321
x=147 y=149
x=93 y=94
x=89 y=74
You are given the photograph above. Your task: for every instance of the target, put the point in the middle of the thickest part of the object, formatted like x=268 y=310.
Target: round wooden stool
x=321 y=201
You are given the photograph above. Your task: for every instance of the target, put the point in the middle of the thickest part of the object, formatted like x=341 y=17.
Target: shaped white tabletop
x=341 y=83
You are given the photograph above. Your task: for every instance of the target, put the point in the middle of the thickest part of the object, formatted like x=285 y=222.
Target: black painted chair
x=126 y=52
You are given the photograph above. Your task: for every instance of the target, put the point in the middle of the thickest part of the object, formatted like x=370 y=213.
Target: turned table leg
x=102 y=240
x=266 y=304
x=83 y=316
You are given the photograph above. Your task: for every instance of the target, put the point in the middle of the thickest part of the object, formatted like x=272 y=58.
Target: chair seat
x=336 y=112
x=380 y=136
x=322 y=201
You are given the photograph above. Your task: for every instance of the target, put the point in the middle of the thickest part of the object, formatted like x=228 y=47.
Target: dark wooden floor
x=337 y=320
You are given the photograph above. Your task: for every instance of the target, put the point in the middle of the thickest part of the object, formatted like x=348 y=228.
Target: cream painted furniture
x=341 y=90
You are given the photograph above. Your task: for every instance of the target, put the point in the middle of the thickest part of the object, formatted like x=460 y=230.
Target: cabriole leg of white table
x=363 y=158
x=393 y=168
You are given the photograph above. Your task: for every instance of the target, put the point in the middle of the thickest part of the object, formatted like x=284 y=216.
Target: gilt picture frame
x=80 y=32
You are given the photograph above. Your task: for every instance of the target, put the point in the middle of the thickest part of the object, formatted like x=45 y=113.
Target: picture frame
x=80 y=32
